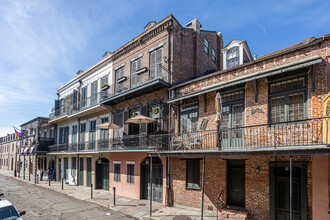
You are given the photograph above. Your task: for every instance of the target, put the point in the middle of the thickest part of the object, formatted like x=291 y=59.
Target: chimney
x=195 y=25
x=255 y=57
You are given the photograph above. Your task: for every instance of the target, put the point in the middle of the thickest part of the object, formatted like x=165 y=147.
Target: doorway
x=280 y=191
x=89 y=172
x=102 y=174
x=157 y=179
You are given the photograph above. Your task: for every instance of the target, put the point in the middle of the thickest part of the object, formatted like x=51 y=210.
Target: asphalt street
x=41 y=203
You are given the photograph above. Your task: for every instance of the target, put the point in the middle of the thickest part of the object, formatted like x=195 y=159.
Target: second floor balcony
x=123 y=89
x=294 y=135
x=125 y=143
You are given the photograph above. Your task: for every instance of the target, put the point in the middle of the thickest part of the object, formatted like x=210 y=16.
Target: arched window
x=232 y=57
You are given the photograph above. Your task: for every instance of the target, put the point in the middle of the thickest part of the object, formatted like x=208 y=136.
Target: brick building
x=8 y=148
x=36 y=137
x=274 y=135
x=132 y=80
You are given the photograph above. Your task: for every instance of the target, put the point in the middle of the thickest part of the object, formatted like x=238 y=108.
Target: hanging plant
x=155 y=110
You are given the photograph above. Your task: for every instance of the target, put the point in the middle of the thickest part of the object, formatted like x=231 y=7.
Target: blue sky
x=44 y=43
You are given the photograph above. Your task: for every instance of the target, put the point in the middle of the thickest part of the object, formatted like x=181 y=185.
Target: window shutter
x=125 y=124
x=152 y=65
x=139 y=64
x=133 y=67
x=159 y=62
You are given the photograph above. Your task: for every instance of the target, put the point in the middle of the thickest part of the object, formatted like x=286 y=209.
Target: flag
x=17 y=135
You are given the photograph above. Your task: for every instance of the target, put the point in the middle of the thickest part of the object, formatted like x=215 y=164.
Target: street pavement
x=42 y=203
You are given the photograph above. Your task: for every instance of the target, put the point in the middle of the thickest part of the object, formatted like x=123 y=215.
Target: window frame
x=187 y=112
x=236 y=57
x=119 y=73
x=134 y=73
x=116 y=172
x=214 y=56
x=156 y=65
x=286 y=95
x=195 y=185
x=206 y=47
x=130 y=173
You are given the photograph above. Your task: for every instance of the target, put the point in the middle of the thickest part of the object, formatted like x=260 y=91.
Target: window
x=116 y=173
x=104 y=83
x=104 y=133
x=134 y=129
x=104 y=80
x=130 y=173
x=92 y=129
x=214 y=56
x=287 y=100
x=236 y=182
x=83 y=97
x=119 y=73
x=118 y=120
x=64 y=135
x=232 y=57
x=154 y=112
x=93 y=93
x=135 y=78
x=206 y=46
x=156 y=58
x=193 y=174
x=189 y=117
x=233 y=117
x=74 y=134
x=82 y=136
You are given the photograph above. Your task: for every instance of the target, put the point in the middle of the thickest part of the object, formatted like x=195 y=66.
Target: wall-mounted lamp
x=258 y=169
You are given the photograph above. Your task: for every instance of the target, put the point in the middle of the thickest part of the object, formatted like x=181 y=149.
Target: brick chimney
x=195 y=25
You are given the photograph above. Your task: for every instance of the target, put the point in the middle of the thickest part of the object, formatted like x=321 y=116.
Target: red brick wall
x=257 y=201
x=315 y=103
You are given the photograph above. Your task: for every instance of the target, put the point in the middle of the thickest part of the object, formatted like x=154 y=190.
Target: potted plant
x=104 y=86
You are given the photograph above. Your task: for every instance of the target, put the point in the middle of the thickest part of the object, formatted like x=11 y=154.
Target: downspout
x=170 y=80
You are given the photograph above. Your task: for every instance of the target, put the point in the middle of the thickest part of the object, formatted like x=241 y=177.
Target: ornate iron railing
x=308 y=132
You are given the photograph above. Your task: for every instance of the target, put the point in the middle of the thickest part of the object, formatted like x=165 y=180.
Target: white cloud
x=38 y=43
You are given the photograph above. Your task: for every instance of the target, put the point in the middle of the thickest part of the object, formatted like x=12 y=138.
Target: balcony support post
x=150 y=186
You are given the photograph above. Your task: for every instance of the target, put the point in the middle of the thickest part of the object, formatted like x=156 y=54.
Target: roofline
x=265 y=57
x=35 y=119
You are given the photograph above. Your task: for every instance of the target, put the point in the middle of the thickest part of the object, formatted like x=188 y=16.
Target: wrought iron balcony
x=126 y=86
x=309 y=132
x=130 y=142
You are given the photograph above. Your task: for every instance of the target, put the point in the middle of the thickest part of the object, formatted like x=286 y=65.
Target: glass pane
x=277 y=109
x=296 y=107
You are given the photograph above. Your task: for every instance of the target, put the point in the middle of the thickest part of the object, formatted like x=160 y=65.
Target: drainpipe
x=170 y=80
x=169 y=30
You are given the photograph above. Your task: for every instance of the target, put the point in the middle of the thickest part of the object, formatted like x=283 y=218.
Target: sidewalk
x=133 y=207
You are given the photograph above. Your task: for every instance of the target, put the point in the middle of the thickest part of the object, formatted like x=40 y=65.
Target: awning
x=253 y=76
x=31 y=151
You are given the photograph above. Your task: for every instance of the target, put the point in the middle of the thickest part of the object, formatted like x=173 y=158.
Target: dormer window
x=233 y=57
x=236 y=53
